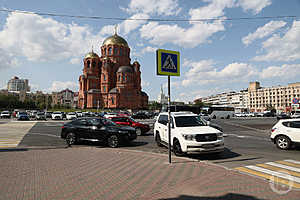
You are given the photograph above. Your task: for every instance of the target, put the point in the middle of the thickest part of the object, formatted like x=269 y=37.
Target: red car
x=128 y=121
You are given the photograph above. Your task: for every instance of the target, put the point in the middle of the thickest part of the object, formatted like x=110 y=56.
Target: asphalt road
x=247 y=142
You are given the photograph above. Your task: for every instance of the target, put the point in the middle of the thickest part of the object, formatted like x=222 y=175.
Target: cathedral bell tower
x=89 y=91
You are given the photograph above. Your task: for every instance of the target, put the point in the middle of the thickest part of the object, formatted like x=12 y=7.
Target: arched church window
x=112 y=100
x=88 y=64
x=115 y=51
x=93 y=64
x=121 y=49
x=104 y=88
x=119 y=77
x=123 y=77
x=104 y=51
x=104 y=77
x=109 y=51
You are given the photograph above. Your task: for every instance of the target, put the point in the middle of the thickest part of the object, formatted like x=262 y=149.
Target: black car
x=140 y=115
x=283 y=116
x=97 y=129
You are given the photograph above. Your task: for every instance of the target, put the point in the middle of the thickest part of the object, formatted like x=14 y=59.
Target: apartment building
x=16 y=85
x=259 y=99
x=64 y=97
x=235 y=99
x=278 y=97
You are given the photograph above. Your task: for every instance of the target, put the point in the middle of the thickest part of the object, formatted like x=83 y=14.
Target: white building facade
x=259 y=99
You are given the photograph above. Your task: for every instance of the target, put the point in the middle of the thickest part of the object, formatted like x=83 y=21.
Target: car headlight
x=189 y=137
x=220 y=135
x=123 y=132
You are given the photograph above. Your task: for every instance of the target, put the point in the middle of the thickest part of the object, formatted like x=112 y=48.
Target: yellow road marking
x=289 y=164
x=278 y=169
x=269 y=177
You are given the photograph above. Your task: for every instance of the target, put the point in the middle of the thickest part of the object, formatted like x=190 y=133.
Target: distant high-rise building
x=162 y=98
x=15 y=85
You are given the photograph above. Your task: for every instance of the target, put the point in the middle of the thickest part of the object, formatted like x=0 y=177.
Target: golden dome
x=115 y=39
x=91 y=55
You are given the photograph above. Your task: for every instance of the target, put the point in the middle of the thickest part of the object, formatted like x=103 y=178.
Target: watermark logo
x=278 y=186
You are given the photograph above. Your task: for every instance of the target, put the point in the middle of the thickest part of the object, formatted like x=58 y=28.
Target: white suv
x=285 y=133
x=57 y=115
x=188 y=134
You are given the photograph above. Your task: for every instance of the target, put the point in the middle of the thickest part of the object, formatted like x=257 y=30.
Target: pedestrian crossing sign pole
x=168 y=64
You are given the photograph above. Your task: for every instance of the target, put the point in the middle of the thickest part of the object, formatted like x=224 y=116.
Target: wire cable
x=148 y=19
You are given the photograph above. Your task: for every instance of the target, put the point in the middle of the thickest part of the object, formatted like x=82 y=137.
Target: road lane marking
x=289 y=164
x=293 y=161
x=274 y=173
x=278 y=169
x=278 y=172
x=45 y=134
x=267 y=176
x=283 y=166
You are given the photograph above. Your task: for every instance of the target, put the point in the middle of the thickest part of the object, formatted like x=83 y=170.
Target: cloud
x=34 y=87
x=282 y=48
x=284 y=72
x=44 y=39
x=75 y=61
x=154 y=7
x=263 y=31
x=197 y=33
x=7 y=59
x=214 y=9
x=60 y=85
x=204 y=72
x=129 y=25
x=149 y=49
x=160 y=34
x=197 y=67
x=255 y=6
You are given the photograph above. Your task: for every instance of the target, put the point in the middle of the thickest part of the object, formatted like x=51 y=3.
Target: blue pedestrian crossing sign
x=167 y=62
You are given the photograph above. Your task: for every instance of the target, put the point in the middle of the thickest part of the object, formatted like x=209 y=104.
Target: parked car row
x=191 y=133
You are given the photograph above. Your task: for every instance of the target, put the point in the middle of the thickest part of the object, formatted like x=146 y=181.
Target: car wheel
x=214 y=117
x=113 y=141
x=228 y=117
x=177 y=148
x=158 y=140
x=138 y=131
x=71 y=139
x=283 y=142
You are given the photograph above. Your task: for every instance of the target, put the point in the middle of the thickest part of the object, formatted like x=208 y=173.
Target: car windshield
x=57 y=113
x=187 y=121
x=22 y=113
x=108 y=122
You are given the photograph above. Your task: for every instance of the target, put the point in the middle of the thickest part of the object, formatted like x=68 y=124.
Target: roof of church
x=91 y=55
x=125 y=69
x=115 y=39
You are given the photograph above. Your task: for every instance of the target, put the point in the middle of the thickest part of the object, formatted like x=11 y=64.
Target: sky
x=223 y=44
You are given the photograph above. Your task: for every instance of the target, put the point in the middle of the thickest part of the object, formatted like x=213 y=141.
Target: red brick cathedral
x=111 y=81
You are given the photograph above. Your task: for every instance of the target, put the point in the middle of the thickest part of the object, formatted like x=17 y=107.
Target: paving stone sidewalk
x=104 y=173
